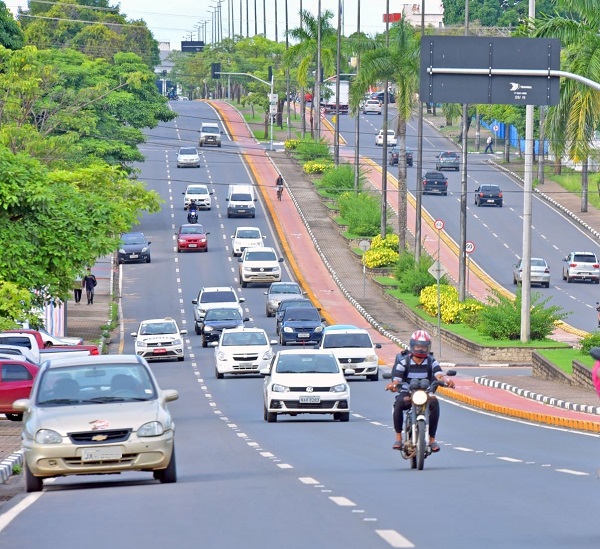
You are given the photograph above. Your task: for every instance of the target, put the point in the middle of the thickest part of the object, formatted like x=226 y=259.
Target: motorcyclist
x=193 y=211
x=417 y=363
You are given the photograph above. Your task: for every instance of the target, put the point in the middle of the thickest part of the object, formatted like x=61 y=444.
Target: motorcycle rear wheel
x=421 y=446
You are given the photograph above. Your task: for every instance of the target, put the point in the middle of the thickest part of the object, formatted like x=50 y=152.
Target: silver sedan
x=540 y=272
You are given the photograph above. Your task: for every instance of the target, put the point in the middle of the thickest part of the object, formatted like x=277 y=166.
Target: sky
x=176 y=22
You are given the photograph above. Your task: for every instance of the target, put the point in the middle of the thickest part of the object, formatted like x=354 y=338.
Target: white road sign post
x=439 y=273
x=469 y=248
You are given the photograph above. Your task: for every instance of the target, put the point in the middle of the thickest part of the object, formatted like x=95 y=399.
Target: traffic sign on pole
x=438 y=224
x=437 y=270
x=469 y=246
x=496 y=128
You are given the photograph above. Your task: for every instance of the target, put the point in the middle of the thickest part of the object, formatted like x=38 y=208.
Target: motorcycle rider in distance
x=417 y=363
x=193 y=211
x=279 y=185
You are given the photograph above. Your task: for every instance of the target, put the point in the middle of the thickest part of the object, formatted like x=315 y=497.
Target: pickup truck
x=29 y=340
x=45 y=339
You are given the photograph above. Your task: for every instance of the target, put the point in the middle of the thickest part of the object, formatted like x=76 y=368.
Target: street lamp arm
x=247 y=74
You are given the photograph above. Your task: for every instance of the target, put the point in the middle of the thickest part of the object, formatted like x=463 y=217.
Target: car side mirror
x=194 y=302
x=266 y=293
x=183 y=332
x=246 y=319
x=133 y=334
x=280 y=260
x=377 y=345
x=242 y=299
x=207 y=233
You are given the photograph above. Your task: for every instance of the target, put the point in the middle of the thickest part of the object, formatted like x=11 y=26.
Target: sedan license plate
x=193 y=245
x=313 y=399
x=159 y=351
x=133 y=256
x=102 y=453
x=303 y=335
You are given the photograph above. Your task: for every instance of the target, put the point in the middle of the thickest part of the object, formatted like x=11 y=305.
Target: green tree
x=11 y=35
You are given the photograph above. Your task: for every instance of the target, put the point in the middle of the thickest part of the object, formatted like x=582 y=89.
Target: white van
x=240 y=201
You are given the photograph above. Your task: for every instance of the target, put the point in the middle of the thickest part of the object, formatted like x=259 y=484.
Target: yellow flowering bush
x=316 y=166
x=390 y=242
x=379 y=257
x=291 y=144
x=449 y=305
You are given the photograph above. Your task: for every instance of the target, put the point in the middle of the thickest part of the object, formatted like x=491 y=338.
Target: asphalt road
x=302 y=481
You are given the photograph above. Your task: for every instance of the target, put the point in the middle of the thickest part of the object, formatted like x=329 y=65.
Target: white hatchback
x=246 y=237
x=188 y=156
x=159 y=339
x=372 y=105
x=391 y=138
x=200 y=194
x=242 y=351
x=305 y=382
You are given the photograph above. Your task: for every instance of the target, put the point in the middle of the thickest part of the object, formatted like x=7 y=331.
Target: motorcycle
x=192 y=216
x=415 y=431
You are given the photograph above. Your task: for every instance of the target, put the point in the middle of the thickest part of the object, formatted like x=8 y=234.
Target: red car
x=192 y=237
x=16 y=380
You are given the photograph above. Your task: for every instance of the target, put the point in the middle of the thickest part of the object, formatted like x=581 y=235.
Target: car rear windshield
x=248 y=233
x=217 y=297
x=241 y=197
x=490 y=188
x=243 y=339
x=333 y=341
x=450 y=156
x=300 y=313
x=538 y=263
x=584 y=258
x=261 y=256
x=435 y=175
x=188 y=151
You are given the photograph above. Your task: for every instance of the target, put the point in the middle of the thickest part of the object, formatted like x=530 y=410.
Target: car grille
x=354 y=360
x=315 y=389
x=325 y=404
x=87 y=437
x=246 y=358
x=125 y=459
x=159 y=343
x=262 y=269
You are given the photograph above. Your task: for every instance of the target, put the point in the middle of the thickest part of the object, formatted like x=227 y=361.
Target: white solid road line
x=6 y=518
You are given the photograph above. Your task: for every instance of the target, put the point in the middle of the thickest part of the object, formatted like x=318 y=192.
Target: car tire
x=32 y=483
x=148 y=260
x=438 y=168
x=445 y=194
x=597 y=281
x=569 y=279
x=282 y=341
x=343 y=416
x=271 y=417
x=515 y=281
x=200 y=144
x=219 y=145
x=547 y=284
x=197 y=329
x=455 y=169
x=218 y=374
x=204 y=342
x=244 y=284
x=478 y=203
x=500 y=204
x=168 y=475
x=373 y=377
x=205 y=249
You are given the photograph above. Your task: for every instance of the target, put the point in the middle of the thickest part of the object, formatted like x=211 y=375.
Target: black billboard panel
x=192 y=47
x=514 y=56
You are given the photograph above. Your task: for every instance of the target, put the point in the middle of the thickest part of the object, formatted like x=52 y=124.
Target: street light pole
x=384 y=132
x=317 y=96
x=357 y=117
x=336 y=133
x=419 y=174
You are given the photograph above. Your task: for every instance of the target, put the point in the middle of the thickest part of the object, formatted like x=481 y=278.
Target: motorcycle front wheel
x=421 y=446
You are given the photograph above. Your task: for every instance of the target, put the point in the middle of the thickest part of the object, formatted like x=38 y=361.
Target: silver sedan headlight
x=341 y=388
x=151 y=429
x=48 y=436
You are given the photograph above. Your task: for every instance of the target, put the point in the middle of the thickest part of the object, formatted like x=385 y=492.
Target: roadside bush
x=589 y=341
x=469 y=312
x=339 y=179
x=312 y=149
x=449 y=304
x=291 y=144
x=361 y=211
x=412 y=277
x=500 y=318
x=317 y=166
x=379 y=257
x=390 y=242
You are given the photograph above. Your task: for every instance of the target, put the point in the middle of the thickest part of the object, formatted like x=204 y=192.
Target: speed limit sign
x=469 y=247
x=495 y=128
x=438 y=224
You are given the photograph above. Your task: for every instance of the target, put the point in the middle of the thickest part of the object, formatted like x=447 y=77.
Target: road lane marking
x=394 y=538
x=510 y=460
x=308 y=480
x=571 y=472
x=342 y=501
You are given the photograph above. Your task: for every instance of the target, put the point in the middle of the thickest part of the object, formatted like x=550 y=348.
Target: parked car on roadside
x=16 y=380
x=540 y=272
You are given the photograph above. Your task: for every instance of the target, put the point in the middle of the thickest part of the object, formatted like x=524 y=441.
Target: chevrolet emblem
x=99 y=438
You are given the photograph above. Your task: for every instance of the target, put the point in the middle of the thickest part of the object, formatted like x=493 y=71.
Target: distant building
x=162 y=70
x=434 y=13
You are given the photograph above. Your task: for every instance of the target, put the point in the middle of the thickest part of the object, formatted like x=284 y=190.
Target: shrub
x=469 y=312
x=412 y=277
x=312 y=149
x=390 y=242
x=362 y=213
x=339 y=180
x=449 y=304
x=500 y=318
x=589 y=341
x=291 y=144
x=317 y=166
x=379 y=257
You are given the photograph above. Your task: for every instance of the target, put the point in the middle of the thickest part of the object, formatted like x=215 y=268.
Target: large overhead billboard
x=472 y=69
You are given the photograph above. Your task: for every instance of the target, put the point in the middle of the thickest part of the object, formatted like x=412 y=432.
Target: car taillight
x=596 y=266
x=500 y=195
x=572 y=264
x=546 y=270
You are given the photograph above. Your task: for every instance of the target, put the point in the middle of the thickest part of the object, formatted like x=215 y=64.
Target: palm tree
x=303 y=56
x=398 y=63
x=573 y=121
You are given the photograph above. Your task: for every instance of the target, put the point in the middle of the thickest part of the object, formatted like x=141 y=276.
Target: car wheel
x=218 y=374
x=14 y=417
x=597 y=281
x=197 y=329
x=271 y=416
x=547 y=284
x=32 y=484
x=200 y=144
x=219 y=145
x=515 y=280
x=379 y=113
x=455 y=169
x=445 y=194
x=204 y=342
x=438 y=168
x=168 y=475
x=500 y=204
x=244 y=284
x=373 y=377
x=205 y=249
x=563 y=276
x=282 y=341
x=478 y=203
x=181 y=358
x=148 y=260
x=344 y=416
x=569 y=279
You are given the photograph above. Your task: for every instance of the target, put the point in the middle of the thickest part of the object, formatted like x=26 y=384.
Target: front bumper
x=329 y=403
x=160 y=353
x=133 y=256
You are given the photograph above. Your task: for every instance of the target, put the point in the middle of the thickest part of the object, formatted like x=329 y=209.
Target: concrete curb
x=7 y=465
x=586 y=409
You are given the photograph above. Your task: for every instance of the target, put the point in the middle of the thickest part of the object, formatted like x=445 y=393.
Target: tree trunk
x=402 y=187
x=267 y=117
x=557 y=165
x=506 y=149
x=584 y=185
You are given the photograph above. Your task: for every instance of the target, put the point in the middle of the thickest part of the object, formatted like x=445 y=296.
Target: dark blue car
x=134 y=247
x=216 y=320
x=301 y=325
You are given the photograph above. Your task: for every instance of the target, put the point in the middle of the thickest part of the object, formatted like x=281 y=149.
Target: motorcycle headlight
x=151 y=429
x=276 y=388
x=419 y=398
x=341 y=388
x=48 y=436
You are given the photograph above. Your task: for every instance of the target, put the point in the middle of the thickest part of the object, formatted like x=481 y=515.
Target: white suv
x=159 y=339
x=246 y=237
x=242 y=351
x=353 y=349
x=211 y=297
x=582 y=266
x=372 y=105
x=200 y=194
x=259 y=265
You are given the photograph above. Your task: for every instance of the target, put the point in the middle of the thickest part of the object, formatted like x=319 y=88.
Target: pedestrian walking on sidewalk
x=489 y=145
x=89 y=283
x=77 y=288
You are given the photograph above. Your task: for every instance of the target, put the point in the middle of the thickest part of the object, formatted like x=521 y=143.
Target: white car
x=391 y=138
x=259 y=265
x=50 y=340
x=212 y=297
x=371 y=105
x=246 y=237
x=242 y=351
x=200 y=194
x=159 y=339
x=188 y=157
x=353 y=349
x=305 y=381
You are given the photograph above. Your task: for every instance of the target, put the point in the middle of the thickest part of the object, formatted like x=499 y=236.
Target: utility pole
x=265 y=18
x=385 y=130
x=462 y=237
x=287 y=76
x=317 y=98
x=276 y=36
x=419 y=174
x=336 y=133
x=357 y=118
